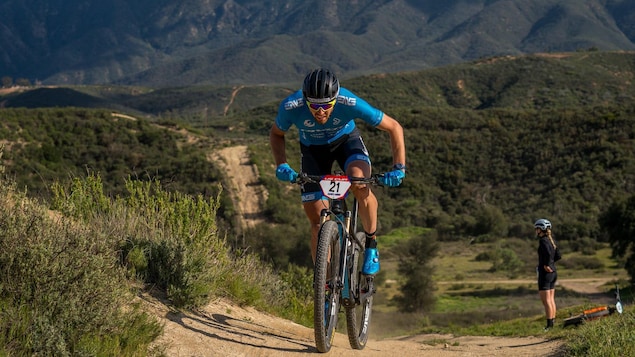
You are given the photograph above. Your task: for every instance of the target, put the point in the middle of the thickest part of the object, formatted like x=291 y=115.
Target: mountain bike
x=337 y=277
x=596 y=312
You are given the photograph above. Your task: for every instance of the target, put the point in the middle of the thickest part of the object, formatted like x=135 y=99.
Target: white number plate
x=335 y=187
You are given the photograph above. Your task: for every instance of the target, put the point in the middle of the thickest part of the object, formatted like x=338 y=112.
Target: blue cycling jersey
x=294 y=111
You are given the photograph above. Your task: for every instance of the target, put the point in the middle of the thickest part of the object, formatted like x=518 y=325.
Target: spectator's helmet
x=543 y=224
x=320 y=86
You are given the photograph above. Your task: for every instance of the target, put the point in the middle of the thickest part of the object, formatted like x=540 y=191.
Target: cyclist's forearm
x=398 y=148
x=397 y=143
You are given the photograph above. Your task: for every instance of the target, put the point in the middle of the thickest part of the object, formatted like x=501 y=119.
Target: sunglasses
x=324 y=106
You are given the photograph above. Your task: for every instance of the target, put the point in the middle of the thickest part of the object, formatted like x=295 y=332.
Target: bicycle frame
x=347 y=226
x=337 y=278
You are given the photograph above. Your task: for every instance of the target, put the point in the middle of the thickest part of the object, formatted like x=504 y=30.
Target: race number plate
x=335 y=187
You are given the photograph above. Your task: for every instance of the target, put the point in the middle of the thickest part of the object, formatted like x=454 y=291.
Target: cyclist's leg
x=367 y=211
x=353 y=157
x=316 y=160
x=312 y=210
x=365 y=197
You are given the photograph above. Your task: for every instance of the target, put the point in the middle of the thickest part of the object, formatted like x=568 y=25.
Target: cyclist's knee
x=361 y=191
x=358 y=168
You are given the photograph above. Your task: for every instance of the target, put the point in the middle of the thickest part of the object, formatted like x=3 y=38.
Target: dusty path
x=591 y=287
x=247 y=194
x=223 y=329
x=231 y=100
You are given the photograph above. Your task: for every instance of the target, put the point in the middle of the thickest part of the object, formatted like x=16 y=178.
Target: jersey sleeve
x=369 y=114
x=283 y=119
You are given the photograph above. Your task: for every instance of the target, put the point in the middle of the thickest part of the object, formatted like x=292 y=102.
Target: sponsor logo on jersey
x=292 y=104
x=350 y=101
x=309 y=123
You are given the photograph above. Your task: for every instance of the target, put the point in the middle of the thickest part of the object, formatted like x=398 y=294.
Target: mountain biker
x=548 y=255
x=324 y=114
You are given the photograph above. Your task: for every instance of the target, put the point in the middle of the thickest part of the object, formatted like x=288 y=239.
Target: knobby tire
x=326 y=263
x=358 y=315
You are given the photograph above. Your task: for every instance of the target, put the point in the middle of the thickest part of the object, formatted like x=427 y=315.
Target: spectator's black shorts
x=547 y=281
x=319 y=159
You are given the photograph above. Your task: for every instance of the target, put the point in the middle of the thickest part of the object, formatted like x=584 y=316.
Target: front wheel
x=326 y=286
x=358 y=314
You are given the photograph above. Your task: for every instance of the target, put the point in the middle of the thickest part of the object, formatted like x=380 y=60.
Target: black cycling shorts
x=547 y=281
x=319 y=159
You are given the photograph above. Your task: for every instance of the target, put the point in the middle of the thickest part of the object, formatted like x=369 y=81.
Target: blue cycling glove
x=284 y=172
x=393 y=178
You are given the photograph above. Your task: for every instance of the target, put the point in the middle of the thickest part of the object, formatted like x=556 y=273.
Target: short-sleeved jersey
x=294 y=111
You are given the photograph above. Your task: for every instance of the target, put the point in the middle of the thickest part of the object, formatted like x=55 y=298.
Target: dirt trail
x=247 y=194
x=592 y=287
x=231 y=100
x=224 y=329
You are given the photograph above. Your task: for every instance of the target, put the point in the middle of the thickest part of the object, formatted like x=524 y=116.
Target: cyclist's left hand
x=393 y=178
x=284 y=172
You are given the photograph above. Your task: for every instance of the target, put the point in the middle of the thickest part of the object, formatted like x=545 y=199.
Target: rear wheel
x=358 y=314
x=326 y=289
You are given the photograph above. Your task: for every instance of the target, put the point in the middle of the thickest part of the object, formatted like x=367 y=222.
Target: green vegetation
x=492 y=146
x=46 y=145
x=68 y=277
x=607 y=337
x=618 y=221
x=415 y=269
x=62 y=291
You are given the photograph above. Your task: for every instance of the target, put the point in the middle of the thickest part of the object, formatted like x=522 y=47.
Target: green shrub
x=171 y=241
x=577 y=263
x=62 y=290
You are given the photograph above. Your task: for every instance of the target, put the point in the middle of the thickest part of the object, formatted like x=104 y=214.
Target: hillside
x=501 y=139
x=221 y=42
x=492 y=144
x=537 y=81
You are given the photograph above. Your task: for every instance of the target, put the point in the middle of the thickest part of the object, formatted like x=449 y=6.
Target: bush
x=62 y=291
x=415 y=257
x=578 y=263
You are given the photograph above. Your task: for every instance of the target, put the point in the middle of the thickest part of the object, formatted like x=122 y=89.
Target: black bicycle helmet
x=320 y=86
x=543 y=224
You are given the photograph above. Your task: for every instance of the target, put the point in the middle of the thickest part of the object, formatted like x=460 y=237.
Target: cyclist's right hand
x=284 y=172
x=393 y=178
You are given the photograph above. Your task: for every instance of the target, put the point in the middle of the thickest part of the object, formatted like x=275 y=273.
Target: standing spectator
x=548 y=255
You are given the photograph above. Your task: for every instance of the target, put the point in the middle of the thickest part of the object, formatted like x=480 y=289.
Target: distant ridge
x=540 y=81
x=224 y=42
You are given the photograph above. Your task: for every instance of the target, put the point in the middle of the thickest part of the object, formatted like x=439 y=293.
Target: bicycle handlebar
x=306 y=178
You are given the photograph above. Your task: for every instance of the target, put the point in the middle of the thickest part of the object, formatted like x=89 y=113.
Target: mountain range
x=167 y=43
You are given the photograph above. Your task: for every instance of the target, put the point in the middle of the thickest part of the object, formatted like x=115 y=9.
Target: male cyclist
x=324 y=114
